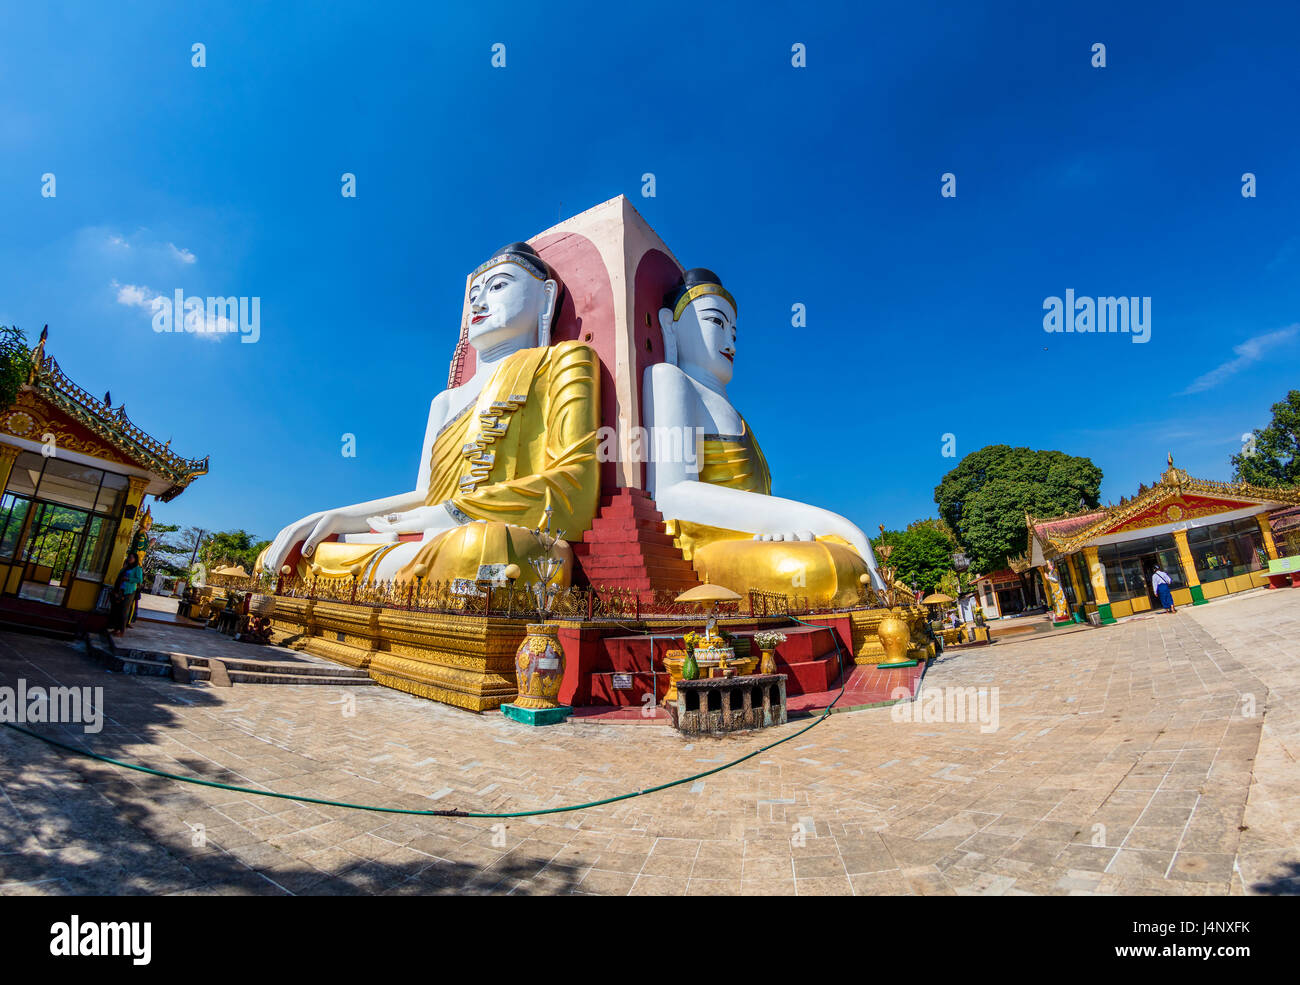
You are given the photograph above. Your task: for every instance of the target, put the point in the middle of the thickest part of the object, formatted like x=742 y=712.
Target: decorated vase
x=539 y=667
x=768 y=664
x=895 y=635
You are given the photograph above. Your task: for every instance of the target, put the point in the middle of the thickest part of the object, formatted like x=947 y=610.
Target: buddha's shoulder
x=572 y=355
x=666 y=374
x=445 y=397
x=571 y=348
x=672 y=383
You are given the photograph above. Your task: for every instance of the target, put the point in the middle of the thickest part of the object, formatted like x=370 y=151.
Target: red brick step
x=626 y=548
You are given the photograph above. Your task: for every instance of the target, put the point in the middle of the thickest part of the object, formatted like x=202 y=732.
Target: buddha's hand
x=309 y=531
x=408 y=522
x=787 y=535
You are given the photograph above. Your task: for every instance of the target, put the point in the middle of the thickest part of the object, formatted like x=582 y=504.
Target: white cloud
x=206 y=324
x=119 y=242
x=1248 y=353
x=136 y=295
x=181 y=254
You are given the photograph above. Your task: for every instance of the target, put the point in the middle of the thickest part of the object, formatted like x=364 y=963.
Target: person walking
x=1160 y=582
x=123 y=594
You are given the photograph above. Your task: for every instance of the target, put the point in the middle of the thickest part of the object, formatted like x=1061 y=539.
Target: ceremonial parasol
x=709 y=593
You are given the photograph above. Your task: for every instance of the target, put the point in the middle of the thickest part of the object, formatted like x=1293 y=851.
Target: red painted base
x=600 y=656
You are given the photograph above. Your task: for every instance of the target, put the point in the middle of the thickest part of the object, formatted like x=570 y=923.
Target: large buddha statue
x=718 y=503
x=516 y=440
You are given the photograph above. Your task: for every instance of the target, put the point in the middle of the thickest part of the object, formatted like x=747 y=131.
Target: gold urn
x=895 y=636
x=539 y=667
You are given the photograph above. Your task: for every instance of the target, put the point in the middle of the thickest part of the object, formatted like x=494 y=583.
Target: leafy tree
x=922 y=553
x=15 y=362
x=985 y=498
x=935 y=523
x=55 y=546
x=231 y=548
x=171 y=552
x=1273 y=458
x=954 y=583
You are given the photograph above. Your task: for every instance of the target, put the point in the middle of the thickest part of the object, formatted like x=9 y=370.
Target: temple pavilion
x=1214 y=539
x=74 y=473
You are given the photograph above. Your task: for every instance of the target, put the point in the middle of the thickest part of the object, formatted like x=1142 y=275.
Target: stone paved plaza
x=1155 y=756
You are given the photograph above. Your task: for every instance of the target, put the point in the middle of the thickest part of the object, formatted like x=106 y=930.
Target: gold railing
x=590 y=604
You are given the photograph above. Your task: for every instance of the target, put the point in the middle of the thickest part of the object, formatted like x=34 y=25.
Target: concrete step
x=145 y=668
x=204 y=675
x=191 y=668
x=281 y=668
x=255 y=677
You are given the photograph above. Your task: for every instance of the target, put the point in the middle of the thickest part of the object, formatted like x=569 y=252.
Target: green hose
x=471 y=814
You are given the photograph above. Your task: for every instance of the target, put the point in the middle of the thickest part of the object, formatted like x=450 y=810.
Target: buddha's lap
x=452 y=554
x=817 y=569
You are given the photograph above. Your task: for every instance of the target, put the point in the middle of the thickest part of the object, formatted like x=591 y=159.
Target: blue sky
x=818 y=185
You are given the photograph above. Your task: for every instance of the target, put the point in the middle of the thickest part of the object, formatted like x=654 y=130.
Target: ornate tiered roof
x=1179 y=495
x=47 y=382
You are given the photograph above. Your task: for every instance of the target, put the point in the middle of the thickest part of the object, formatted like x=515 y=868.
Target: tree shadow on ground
x=74 y=826
x=1285 y=884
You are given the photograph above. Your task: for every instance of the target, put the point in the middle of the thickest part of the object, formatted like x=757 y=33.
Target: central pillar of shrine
x=1098 y=578
x=1189 y=568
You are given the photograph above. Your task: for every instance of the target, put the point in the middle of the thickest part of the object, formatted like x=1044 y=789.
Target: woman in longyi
x=515 y=440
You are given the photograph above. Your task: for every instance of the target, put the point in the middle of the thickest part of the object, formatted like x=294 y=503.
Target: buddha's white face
x=706 y=337
x=505 y=303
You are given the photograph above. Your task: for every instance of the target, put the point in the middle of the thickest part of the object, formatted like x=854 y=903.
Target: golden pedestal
x=463 y=660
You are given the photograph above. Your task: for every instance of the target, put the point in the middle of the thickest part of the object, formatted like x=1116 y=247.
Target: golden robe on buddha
x=526 y=444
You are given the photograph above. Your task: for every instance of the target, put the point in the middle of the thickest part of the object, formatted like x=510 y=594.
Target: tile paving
x=1157 y=756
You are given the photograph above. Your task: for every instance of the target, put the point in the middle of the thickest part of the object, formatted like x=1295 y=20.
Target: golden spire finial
x=38 y=355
